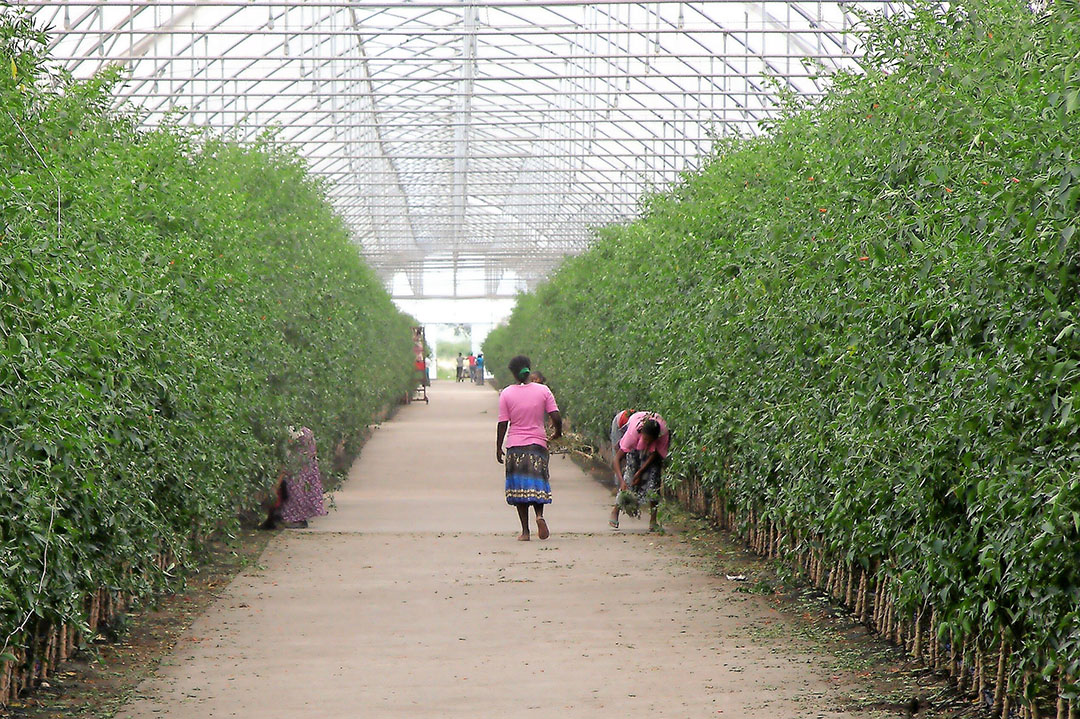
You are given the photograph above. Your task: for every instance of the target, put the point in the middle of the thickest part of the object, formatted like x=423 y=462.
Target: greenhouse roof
x=477 y=140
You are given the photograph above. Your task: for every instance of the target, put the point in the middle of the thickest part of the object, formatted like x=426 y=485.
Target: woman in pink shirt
x=639 y=457
x=522 y=410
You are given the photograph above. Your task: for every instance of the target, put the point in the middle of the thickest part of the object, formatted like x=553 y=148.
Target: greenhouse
x=831 y=245
x=475 y=143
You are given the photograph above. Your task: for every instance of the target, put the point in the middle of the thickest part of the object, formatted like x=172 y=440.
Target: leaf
x=1072 y=101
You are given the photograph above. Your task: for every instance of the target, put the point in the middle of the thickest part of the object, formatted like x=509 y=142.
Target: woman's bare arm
x=556 y=422
x=617 y=465
x=500 y=435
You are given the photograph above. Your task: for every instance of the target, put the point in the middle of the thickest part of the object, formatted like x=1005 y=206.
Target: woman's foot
x=654 y=521
x=541 y=525
x=523 y=537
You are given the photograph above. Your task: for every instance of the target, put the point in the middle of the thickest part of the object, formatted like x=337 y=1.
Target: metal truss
x=477 y=139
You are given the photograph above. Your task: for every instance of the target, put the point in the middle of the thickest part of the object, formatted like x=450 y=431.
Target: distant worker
x=298 y=493
x=460 y=367
x=472 y=367
x=421 y=371
x=480 y=368
x=523 y=407
x=639 y=457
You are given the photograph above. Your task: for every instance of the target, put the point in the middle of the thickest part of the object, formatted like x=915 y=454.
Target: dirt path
x=413 y=599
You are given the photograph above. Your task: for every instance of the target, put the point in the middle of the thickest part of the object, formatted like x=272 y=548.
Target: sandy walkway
x=413 y=599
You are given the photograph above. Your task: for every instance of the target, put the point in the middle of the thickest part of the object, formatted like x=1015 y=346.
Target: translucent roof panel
x=475 y=140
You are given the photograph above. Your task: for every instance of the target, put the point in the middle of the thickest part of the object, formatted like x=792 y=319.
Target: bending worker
x=638 y=460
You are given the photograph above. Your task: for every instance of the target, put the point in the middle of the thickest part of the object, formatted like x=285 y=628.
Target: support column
x=463 y=119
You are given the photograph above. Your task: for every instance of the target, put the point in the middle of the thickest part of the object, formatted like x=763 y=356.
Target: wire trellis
x=483 y=137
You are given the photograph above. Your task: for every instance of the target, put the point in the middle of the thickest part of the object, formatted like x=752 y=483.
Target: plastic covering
x=466 y=137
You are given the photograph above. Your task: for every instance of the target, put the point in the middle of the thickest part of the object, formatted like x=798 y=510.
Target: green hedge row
x=169 y=303
x=862 y=328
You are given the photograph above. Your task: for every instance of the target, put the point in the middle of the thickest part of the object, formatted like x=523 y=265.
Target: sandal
x=613 y=523
x=541 y=524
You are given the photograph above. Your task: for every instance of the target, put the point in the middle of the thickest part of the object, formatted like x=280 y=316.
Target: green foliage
x=451 y=348
x=169 y=303
x=864 y=323
x=447 y=352
x=628 y=503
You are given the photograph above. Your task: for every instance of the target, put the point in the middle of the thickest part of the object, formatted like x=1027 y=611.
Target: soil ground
x=101 y=679
x=413 y=598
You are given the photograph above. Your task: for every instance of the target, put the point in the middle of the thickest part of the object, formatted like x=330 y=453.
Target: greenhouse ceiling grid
x=470 y=146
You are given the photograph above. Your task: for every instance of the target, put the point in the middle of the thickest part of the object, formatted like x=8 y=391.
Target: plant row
x=170 y=303
x=862 y=328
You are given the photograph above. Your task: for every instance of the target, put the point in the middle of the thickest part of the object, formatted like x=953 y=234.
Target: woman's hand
x=637 y=479
x=499 y=455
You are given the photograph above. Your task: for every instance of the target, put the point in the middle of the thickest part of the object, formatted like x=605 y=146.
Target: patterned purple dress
x=303 y=484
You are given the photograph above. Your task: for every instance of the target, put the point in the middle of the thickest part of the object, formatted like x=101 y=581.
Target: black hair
x=651 y=428
x=519 y=368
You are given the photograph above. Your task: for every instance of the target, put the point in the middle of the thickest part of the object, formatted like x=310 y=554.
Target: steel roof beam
x=566 y=100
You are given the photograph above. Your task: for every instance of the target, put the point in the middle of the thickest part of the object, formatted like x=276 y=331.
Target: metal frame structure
x=477 y=140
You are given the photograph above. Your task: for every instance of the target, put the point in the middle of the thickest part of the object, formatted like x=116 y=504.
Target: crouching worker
x=639 y=457
x=298 y=494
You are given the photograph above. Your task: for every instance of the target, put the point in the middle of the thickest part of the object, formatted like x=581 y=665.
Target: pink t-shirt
x=525 y=406
x=634 y=439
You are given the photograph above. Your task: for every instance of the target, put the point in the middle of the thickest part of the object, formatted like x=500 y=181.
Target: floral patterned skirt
x=303 y=495
x=648 y=490
x=527 y=475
